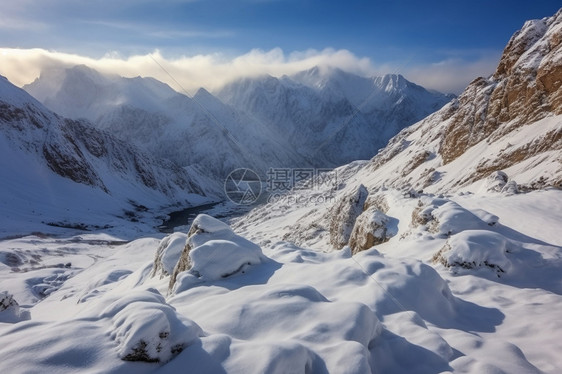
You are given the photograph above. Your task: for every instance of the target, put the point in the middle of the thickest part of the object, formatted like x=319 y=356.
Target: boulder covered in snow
x=510 y=188
x=147 y=329
x=372 y=227
x=10 y=311
x=445 y=217
x=475 y=249
x=213 y=251
x=498 y=181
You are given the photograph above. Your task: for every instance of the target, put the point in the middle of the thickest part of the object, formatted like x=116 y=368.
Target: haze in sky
x=440 y=44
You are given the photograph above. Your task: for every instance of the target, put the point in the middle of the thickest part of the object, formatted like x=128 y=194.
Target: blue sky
x=395 y=36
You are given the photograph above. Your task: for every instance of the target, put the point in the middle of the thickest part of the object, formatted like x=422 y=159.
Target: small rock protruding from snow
x=498 y=181
x=495 y=181
x=344 y=214
x=371 y=228
x=213 y=251
x=10 y=311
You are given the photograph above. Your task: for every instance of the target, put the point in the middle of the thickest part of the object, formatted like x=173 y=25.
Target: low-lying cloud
x=22 y=66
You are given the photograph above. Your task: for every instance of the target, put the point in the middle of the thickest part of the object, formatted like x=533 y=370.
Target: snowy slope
x=60 y=171
x=466 y=147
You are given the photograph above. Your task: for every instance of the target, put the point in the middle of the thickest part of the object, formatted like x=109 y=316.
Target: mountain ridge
x=259 y=123
x=80 y=167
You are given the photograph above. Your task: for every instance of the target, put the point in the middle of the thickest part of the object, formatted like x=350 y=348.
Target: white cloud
x=452 y=75
x=22 y=66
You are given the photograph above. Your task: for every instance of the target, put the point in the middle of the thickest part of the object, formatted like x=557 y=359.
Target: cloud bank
x=22 y=66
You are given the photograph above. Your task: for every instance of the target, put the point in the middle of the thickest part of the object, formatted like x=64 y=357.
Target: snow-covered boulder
x=498 y=181
x=510 y=188
x=445 y=217
x=372 y=227
x=344 y=214
x=474 y=249
x=10 y=311
x=145 y=328
x=213 y=251
x=168 y=254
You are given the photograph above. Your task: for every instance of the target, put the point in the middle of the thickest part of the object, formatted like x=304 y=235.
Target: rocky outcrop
x=344 y=214
x=168 y=254
x=359 y=221
x=525 y=88
x=371 y=228
x=510 y=121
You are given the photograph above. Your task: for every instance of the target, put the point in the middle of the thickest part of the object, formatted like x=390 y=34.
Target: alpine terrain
x=439 y=253
x=63 y=172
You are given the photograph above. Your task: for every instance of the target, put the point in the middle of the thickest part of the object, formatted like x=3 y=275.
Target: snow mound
x=213 y=251
x=445 y=217
x=474 y=249
x=287 y=328
x=147 y=329
x=411 y=284
x=10 y=311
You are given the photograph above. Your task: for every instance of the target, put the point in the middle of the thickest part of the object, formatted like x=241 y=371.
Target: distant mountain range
x=316 y=118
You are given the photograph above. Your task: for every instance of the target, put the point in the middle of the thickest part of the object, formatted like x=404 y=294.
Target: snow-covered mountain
x=332 y=117
x=260 y=123
x=201 y=131
x=60 y=171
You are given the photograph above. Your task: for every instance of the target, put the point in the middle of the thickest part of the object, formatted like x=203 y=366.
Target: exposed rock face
x=359 y=220
x=510 y=121
x=184 y=262
x=83 y=154
x=168 y=254
x=524 y=89
x=344 y=214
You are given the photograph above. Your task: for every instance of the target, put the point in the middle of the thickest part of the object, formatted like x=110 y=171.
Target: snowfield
x=479 y=290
